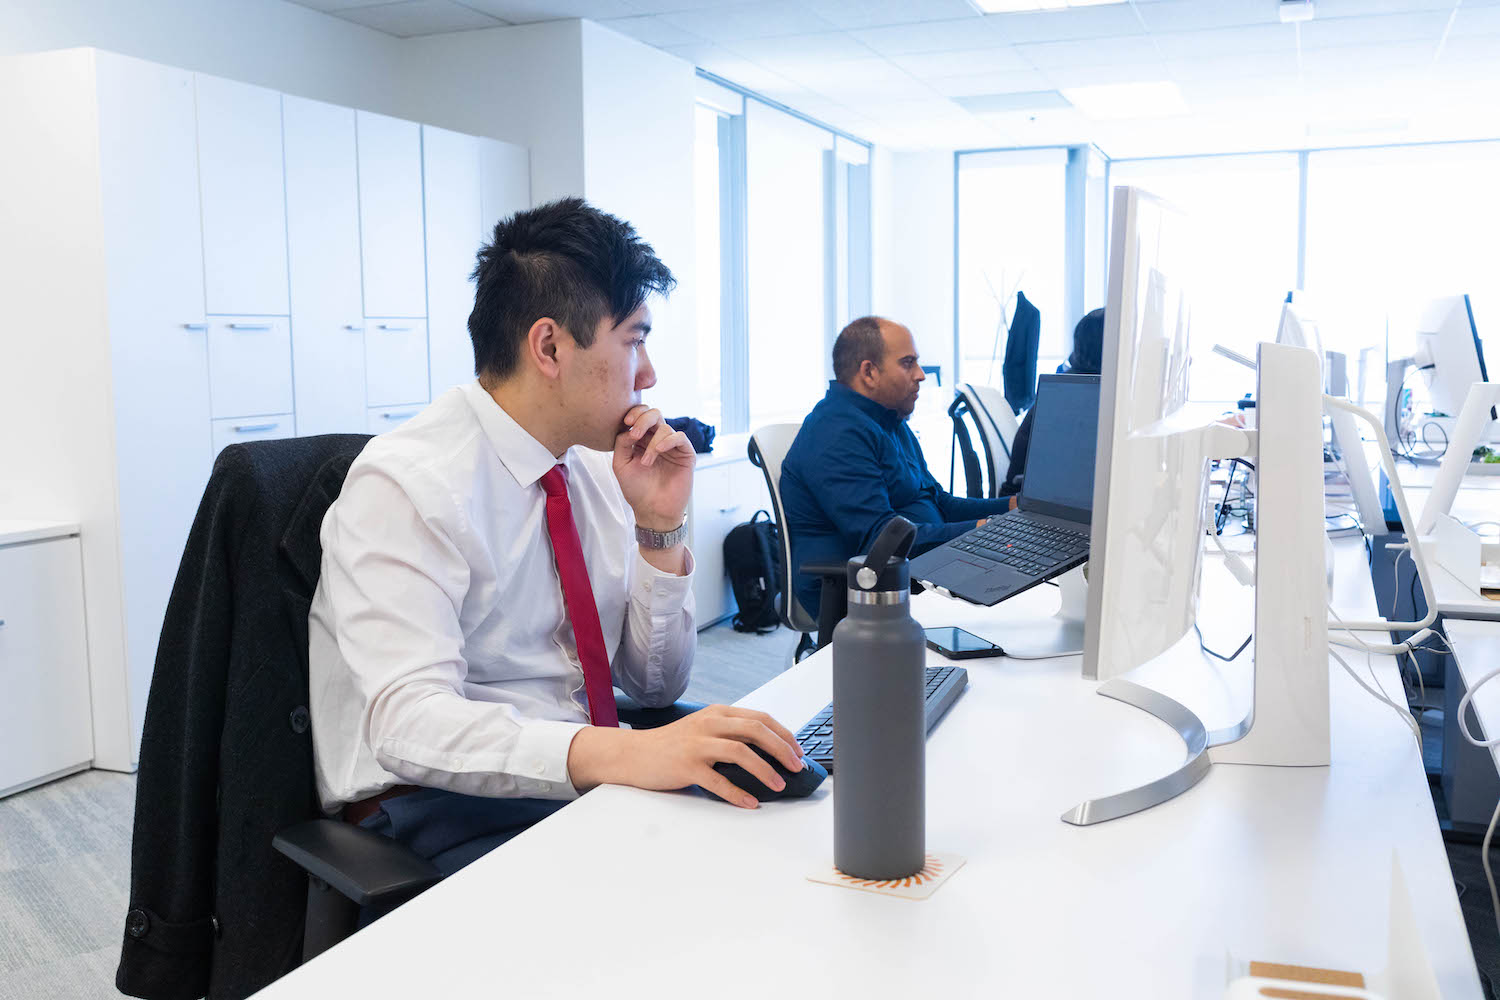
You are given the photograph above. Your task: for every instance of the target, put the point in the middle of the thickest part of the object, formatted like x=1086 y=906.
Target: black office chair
x=767 y=449
x=236 y=877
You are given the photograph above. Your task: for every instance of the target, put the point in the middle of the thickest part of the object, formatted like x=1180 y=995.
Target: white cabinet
x=244 y=207
x=384 y=418
x=45 y=726
x=395 y=361
x=390 y=215
x=455 y=228
x=322 y=215
x=249 y=365
x=153 y=365
x=162 y=326
x=469 y=184
x=237 y=430
x=727 y=490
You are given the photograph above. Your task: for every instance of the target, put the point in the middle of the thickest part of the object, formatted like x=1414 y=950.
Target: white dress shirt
x=440 y=653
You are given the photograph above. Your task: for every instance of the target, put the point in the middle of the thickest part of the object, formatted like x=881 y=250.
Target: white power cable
x=1404 y=715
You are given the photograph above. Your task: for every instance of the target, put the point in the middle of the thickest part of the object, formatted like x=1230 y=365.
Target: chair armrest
x=640 y=717
x=364 y=866
x=838 y=569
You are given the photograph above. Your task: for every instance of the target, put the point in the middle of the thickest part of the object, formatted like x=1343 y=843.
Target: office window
x=708 y=231
x=1244 y=210
x=1390 y=227
x=783 y=234
x=785 y=263
x=1012 y=223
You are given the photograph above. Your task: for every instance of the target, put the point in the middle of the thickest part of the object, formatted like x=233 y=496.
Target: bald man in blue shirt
x=855 y=464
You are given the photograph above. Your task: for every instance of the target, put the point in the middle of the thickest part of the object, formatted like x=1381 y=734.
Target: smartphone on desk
x=958 y=644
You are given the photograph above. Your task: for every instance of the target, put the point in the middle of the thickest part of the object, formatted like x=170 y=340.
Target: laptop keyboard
x=1032 y=547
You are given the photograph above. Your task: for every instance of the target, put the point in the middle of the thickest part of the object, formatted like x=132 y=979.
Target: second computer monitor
x=1450 y=352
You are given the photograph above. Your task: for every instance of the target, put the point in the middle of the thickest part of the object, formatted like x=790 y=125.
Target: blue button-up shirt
x=853 y=466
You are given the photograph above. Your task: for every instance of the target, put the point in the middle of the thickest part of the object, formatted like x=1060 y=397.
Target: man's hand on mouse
x=684 y=753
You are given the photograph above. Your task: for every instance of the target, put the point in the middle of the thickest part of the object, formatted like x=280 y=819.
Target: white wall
x=638 y=164
x=911 y=198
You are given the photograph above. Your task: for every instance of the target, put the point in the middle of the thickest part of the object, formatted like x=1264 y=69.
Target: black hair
x=857 y=343
x=565 y=260
x=1088 y=344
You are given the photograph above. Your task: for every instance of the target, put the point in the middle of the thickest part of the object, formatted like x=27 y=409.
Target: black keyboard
x=943 y=686
x=1032 y=547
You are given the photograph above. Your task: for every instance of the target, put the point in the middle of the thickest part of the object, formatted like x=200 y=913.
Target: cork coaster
x=937 y=870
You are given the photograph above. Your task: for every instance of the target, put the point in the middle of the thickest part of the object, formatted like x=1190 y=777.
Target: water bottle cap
x=885 y=568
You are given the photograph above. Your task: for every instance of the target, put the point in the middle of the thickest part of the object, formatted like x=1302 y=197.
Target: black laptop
x=1048 y=532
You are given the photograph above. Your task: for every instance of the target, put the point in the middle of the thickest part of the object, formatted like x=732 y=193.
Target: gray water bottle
x=879 y=718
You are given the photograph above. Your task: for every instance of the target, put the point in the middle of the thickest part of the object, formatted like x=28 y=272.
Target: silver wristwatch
x=649 y=539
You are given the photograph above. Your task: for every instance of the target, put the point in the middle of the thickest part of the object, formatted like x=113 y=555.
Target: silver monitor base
x=1169 y=786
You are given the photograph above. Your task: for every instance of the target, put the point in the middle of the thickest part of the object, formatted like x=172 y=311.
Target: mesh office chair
x=994 y=424
x=767 y=450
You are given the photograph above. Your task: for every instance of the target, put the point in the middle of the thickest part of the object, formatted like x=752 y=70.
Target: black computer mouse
x=799 y=784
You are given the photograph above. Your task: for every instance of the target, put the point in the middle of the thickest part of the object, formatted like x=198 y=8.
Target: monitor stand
x=1288 y=721
x=1059 y=635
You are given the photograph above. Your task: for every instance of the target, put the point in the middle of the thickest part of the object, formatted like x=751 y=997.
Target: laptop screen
x=1064 y=436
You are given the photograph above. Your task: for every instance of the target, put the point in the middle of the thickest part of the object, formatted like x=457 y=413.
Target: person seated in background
x=855 y=463
x=1087 y=358
x=493 y=566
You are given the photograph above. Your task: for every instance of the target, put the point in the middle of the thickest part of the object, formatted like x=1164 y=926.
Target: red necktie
x=578 y=594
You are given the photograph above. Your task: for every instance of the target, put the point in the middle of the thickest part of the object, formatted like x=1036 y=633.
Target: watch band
x=649 y=539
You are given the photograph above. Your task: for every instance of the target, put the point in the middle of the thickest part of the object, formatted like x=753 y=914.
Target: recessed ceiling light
x=1161 y=99
x=1017 y=6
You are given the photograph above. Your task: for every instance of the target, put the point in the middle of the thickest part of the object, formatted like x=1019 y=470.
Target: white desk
x=641 y=893
x=1476 y=652
x=1476 y=502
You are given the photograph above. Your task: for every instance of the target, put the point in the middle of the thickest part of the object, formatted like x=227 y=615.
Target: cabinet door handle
x=195 y=326
x=253 y=428
x=398 y=416
x=2 y=622
x=353 y=326
x=730 y=510
x=249 y=326
x=395 y=329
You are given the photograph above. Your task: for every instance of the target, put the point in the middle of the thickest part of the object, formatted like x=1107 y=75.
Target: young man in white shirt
x=495 y=564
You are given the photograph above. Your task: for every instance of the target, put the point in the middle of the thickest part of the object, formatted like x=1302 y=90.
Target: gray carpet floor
x=65 y=847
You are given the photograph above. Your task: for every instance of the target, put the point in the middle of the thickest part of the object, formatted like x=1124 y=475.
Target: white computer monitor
x=1298 y=329
x=1448 y=341
x=1150 y=472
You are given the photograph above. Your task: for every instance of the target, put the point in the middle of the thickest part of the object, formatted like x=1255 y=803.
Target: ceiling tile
x=1351 y=64
x=1100 y=52
x=675 y=6
x=1228 y=41
x=1197 y=15
x=1470 y=52
x=1476 y=21
x=988 y=83
x=1358 y=8
x=329 y=6
x=859 y=95
x=653 y=30
x=930 y=64
x=932 y=36
x=1093 y=76
x=1325 y=33
x=828 y=46
x=747 y=21
x=1228 y=65
x=876 y=13
x=420 y=17
x=826 y=77
x=527 y=11
x=1069 y=24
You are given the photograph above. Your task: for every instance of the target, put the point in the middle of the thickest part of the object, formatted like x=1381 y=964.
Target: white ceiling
x=890 y=71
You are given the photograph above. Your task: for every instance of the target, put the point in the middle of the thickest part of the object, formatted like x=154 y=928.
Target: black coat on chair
x=226 y=753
